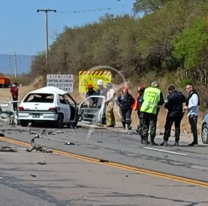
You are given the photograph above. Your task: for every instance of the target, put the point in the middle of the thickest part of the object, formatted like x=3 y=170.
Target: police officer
x=136 y=106
x=90 y=92
x=152 y=99
x=174 y=105
x=125 y=102
x=192 y=107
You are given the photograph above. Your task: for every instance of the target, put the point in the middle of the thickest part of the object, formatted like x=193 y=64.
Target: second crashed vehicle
x=48 y=104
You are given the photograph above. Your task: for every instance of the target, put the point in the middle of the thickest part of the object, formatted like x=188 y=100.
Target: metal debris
x=69 y=143
x=32 y=175
x=99 y=142
x=8 y=149
x=101 y=160
x=38 y=147
x=1 y=134
x=41 y=163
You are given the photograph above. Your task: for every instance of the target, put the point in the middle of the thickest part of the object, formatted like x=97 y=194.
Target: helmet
x=155 y=84
x=125 y=89
x=141 y=88
x=89 y=86
x=100 y=82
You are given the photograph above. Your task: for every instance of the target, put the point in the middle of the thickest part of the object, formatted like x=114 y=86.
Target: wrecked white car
x=48 y=104
x=92 y=109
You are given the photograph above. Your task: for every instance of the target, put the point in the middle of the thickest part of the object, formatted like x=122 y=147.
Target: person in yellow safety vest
x=110 y=120
x=152 y=100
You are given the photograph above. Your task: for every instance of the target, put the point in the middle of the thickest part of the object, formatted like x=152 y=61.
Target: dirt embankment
x=5 y=96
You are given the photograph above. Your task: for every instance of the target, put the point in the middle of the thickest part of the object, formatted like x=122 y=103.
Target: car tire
x=24 y=123
x=59 y=121
x=204 y=135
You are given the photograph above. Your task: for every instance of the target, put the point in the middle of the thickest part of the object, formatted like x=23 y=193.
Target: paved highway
x=179 y=177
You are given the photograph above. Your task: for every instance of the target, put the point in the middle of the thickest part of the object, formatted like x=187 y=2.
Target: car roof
x=49 y=90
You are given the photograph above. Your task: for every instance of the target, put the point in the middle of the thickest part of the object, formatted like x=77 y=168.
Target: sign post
x=62 y=81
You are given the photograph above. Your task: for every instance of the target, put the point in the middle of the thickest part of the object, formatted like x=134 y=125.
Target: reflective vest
x=135 y=106
x=151 y=98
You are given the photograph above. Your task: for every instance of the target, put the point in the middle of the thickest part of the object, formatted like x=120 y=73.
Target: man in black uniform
x=174 y=105
x=125 y=101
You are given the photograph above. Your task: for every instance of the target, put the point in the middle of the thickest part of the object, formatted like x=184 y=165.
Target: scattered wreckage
x=38 y=147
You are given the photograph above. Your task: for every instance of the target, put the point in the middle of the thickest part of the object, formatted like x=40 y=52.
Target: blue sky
x=23 y=29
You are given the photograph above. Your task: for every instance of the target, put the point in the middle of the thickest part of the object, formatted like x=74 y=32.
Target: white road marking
x=165 y=151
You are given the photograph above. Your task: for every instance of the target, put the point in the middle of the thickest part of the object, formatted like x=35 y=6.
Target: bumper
x=37 y=117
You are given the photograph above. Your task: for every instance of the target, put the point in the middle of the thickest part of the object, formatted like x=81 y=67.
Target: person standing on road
x=90 y=92
x=192 y=107
x=174 y=105
x=152 y=100
x=136 y=106
x=14 y=91
x=110 y=104
x=125 y=102
x=102 y=91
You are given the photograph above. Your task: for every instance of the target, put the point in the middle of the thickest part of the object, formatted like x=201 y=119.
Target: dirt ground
x=5 y=96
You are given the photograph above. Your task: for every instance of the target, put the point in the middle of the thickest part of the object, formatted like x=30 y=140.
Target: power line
x=94 y=10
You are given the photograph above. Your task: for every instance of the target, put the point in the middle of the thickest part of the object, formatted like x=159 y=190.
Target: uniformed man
x=110 y=104
x=125 y=102
x=174 y=105
x=90 y=92
x=152 y=100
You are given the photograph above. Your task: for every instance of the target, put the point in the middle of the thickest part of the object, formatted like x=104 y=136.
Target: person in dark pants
x=14 y=91
x=90 y=92
x=174 y=105
x=192 y=107
x=136 y=106
x=125 y=102
x=152 y=99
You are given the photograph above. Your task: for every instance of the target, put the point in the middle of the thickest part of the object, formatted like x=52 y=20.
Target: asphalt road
x=64 y=181
x=124 y=148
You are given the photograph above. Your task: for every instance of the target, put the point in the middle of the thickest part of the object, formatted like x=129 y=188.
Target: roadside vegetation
x=169 y=43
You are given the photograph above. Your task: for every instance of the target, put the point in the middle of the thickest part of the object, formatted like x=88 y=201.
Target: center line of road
x=165 y=151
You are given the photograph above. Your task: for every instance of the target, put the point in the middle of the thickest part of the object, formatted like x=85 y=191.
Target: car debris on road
x=8 y=149
x=38 y=147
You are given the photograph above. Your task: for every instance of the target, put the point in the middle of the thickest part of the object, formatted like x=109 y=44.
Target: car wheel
x=59 y=121
x=204 y=135
x=24 y=123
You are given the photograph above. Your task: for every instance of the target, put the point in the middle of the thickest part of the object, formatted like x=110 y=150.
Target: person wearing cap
x=152 y=100
x=110 y=120
x=174 y=105
x=136 y=106
x=102 y=91
x=14 y=91
x=90 y=92
x=125 y=102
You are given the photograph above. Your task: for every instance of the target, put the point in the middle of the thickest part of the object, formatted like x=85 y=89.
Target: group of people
x=147 y=104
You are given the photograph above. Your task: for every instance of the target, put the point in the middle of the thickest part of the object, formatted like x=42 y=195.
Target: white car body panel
x=90 y=114
x=39 y=111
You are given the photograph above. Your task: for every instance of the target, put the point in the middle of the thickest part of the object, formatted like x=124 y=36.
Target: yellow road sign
x=91 y=77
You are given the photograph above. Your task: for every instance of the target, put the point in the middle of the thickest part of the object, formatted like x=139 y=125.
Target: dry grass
x=5 y=96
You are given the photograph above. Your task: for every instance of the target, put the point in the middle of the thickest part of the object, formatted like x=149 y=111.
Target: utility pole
x=15 y=64
x=46 y=29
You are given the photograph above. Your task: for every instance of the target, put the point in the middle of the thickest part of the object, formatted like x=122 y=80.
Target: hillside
x=168 y=44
